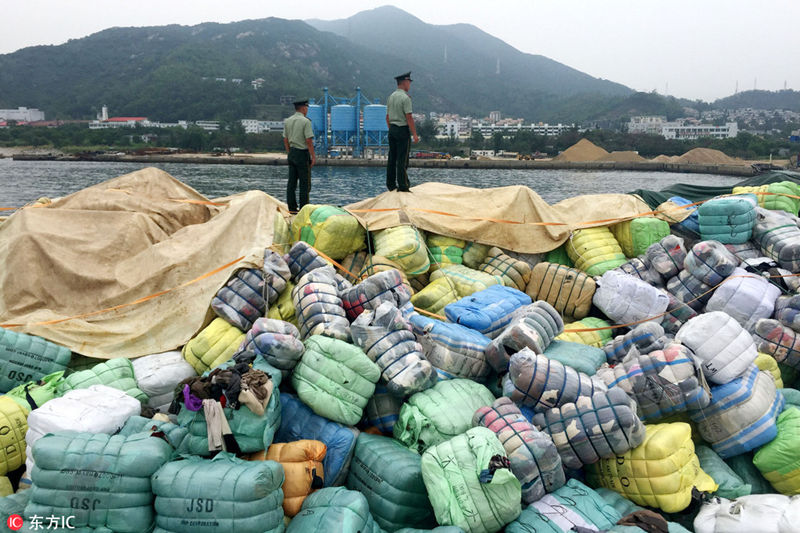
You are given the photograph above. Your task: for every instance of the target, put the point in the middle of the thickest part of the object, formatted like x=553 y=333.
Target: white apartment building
x=646 y=124
x=252 y=125
x=677 y=130
x=22 y=114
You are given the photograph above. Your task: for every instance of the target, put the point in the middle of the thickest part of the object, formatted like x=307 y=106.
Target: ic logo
x=14 y=522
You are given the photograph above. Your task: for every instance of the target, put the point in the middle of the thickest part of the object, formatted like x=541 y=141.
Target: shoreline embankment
x=642 y=166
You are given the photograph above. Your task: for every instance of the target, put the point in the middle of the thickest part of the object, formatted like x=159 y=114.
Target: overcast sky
x=687 y=48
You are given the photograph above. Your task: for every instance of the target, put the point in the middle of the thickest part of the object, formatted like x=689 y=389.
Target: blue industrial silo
x=376 y=132
x=344 y=125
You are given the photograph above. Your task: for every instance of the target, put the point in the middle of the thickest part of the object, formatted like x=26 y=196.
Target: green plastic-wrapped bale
x=445 y=250
x=779 y=459
x=28 y=358
x=464 y=489
x=595 y=250
x=405 y=245
x=731 y=485
x=222 y=494
x=101 y=480
x=390 y=476
x=116 y=373
x=40 y=392
x=440 y=413
x=334 y=509
x=635 y=236
x=331 y=230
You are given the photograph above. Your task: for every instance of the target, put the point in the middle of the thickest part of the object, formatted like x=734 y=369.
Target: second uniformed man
x=401 y=129
x=298 y=139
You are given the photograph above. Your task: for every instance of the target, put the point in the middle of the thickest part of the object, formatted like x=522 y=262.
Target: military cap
x=300 y=102
x=402 y=77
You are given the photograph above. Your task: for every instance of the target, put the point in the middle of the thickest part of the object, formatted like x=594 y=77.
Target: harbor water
x=25 y=181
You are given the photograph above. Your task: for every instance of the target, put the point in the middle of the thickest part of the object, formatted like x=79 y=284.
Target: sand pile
x=583 y=150
x=665 y=158
x=706 y=156
x=623 y=157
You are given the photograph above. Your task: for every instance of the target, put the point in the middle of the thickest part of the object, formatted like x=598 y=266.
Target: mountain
x=786 y=99
x=169 y=73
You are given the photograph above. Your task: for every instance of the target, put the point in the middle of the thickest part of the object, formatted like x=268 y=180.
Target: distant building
x=287 y=99
x=208 y=125
x=795 y=136
x=118 y=122
x=237 y=81
x=646 y=124
x=257 y=83
x=22 y=114
x=683 y=131
x=252 y=125
x=495 y=116
x=551 y=129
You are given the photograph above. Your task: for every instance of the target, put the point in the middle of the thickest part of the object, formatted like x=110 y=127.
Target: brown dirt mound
x=623 y=157
x=706 y=156
x=583 y=150
x=665 y=158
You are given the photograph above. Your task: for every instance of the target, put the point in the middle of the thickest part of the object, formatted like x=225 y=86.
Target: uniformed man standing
x=298 y=139
x=401 y=129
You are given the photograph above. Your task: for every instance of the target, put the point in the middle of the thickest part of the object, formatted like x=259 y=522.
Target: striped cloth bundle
x=710 y=262
x=662 y=382
x=667 y=256
x=604 y=424
x=302 y=259
x=642 y=339
x=536 y=381
x=778 y=341
x=515 y=273
x=642 y=268
x=319 y=308
x=689 y=290
x=678 y=313
x=787 y=311
x=778 y=237
x=742 y=414
x=487 y=311
x=535 y=327
x=276 y=341
x=382 y=287
x=568 y=290
x=533 y=456
x=387 y=339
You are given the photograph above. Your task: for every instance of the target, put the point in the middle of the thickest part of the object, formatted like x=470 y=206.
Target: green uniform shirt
x=297 y=129
x=398 y=105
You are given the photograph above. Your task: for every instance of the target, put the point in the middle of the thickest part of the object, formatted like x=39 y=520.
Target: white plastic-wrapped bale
x=626 y=299
x=276 y=341
x=535 y=381
x=724 y=347
x=535 y=327
x=319 y=308
x=662 y=382
x=778 y=237
x=157 y=376
x=387 y=338
x=644 y=338
x=593 y=427
x=762 y=513
x=667 y=256
x=710 y=262
x=746 y=297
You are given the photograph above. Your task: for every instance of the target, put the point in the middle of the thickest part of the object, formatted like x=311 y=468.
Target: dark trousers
x=299 y=170
x=397 y=164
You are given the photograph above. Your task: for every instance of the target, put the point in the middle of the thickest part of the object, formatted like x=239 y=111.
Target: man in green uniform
x=401 y=128
x=298 y=139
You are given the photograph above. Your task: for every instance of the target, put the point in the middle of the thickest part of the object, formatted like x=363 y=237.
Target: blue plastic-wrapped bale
x=302 y=259
x=689 y=225
x=710 y=262
x=533 y=456
x=602 y=425
x=487 y=311
x=728 y=220
x=662 y=382
x=581 y=357
x=387 y=339
x=536 y=381
x=27 y=358
x=746 y=297
x=454 y=350
x=195 y=495
x=102 y=481
x=644 y=338
x=276 y=341
x=390 y=476
x=383 y=410
x=626 y=299
x=245 y=296
x=778 y=237
x=534 y=326
x=572 y=506
x=334 y=509
x=319 y=307
x=386 y=286
x=742 y=414
x=299 y=422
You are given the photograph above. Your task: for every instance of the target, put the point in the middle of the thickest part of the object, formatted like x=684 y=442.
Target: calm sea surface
x=24 y=181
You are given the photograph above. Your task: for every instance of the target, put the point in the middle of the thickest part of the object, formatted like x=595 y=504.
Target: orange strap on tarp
x=129 y=304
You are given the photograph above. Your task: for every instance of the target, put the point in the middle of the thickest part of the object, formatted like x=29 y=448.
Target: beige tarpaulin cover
x=456 y=208
x=122 y=240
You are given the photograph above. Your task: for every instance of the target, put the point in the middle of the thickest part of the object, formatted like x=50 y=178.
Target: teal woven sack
x=115 y=373
x=101 y=480
x=26 y=358
x=390 y=476
x=334 y=509
x=197 y=495
x=731 y=485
